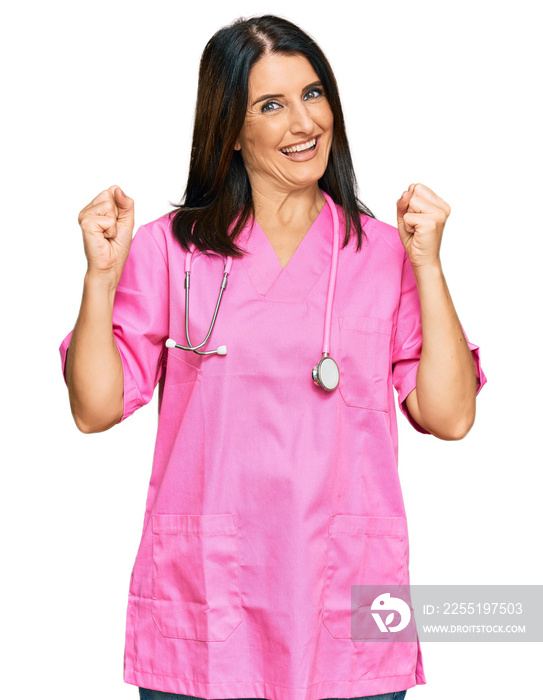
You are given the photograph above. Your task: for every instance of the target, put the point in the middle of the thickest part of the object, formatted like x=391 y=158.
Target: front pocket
x=361 y=550
x=364 y=361
x=196 y=593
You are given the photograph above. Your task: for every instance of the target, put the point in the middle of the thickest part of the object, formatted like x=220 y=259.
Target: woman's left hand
x=421 y=220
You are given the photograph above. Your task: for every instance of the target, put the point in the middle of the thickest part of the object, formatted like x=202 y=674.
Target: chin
x=310 y=177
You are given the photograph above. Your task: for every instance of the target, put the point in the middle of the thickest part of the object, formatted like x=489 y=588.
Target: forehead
x=280 y=73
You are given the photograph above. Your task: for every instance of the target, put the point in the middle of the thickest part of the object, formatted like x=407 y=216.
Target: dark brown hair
x=218 y=200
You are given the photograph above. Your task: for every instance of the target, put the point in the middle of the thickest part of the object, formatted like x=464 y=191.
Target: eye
x=313 y=93
x=270 y=106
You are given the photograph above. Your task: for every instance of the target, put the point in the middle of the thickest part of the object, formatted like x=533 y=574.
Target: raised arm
x=94 y=373
x=443 y=402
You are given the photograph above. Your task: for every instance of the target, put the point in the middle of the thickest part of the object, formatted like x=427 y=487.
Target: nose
x=300 y=119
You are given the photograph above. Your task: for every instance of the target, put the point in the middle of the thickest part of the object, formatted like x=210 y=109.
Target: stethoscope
x=326 y=373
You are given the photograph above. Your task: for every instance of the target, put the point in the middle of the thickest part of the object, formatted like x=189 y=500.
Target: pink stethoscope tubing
x=326 y=372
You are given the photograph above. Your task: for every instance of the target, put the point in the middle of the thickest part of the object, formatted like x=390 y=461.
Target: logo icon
x=386 y=603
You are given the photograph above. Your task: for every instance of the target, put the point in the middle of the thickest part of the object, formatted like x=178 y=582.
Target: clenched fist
x=107 y=223
x=421 y=220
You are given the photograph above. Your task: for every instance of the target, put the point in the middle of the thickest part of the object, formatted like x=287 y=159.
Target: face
x=286 y=138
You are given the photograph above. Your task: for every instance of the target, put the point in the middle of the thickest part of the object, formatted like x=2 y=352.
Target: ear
x=237 y=146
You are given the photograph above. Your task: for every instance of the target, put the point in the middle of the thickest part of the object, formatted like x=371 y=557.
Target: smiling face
x=286 y=138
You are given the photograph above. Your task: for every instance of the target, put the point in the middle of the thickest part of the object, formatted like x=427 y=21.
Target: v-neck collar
x=293 y=282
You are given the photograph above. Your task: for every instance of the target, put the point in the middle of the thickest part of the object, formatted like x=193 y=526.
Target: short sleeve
x=407 y=344
x=140 y=320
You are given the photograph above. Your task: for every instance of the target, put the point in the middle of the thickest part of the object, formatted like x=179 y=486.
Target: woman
x=272 y=492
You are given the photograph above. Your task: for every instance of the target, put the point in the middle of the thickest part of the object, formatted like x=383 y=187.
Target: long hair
x=218 y=200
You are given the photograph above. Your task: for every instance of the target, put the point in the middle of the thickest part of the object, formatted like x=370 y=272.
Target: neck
x=287 y=208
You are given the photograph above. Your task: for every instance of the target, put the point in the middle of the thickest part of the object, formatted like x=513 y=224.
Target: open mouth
x=301 y=148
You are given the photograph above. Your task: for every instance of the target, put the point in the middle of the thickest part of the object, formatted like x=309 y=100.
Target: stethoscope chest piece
x=326 y=374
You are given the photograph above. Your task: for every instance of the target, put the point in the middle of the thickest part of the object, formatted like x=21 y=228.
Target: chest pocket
x=365 y=361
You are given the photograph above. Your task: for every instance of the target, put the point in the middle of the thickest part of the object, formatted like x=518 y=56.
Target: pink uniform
x=269 y=496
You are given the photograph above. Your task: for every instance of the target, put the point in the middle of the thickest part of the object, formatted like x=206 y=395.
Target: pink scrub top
x=269 y=496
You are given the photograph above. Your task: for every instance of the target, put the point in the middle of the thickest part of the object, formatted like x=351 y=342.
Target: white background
x=102 y=93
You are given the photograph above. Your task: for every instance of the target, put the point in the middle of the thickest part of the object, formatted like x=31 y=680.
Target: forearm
x=446 y=377
x=94 y=372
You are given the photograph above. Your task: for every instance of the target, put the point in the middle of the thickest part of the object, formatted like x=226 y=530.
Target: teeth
x=301 y=147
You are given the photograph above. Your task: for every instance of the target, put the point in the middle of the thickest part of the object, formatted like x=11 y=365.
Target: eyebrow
x=317 y=83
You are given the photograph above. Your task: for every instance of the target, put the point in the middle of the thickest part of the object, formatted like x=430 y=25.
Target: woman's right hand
x=94 y=371
x=107 y=223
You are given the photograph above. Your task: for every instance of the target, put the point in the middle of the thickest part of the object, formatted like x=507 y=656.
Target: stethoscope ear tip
x=221 y=350
x=170 y=343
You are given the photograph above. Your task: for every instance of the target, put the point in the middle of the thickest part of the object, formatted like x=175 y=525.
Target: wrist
x=104 y=280
x=428 y=271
